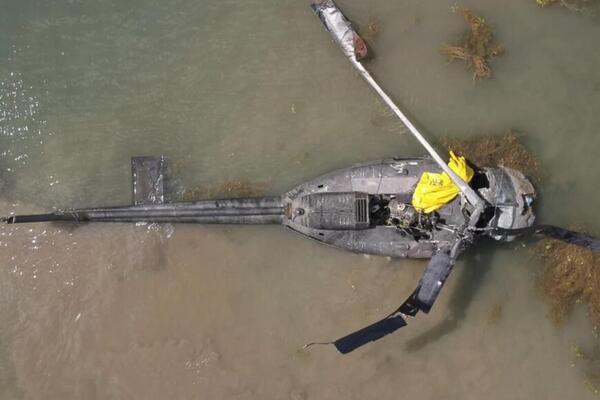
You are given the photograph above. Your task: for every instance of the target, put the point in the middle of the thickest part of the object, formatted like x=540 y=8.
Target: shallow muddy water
x=255 y=91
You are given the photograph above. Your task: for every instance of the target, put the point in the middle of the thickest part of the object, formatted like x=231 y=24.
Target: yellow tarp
x=435 y=190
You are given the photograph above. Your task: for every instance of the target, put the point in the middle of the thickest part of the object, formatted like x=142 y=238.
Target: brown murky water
x=254 y=91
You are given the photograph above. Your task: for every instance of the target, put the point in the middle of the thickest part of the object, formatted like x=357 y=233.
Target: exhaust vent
x=362 y=214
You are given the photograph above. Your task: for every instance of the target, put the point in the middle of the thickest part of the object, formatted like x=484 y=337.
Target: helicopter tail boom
x=264 y=210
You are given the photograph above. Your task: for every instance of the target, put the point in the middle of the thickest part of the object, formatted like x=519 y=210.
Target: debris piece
x=476 y=48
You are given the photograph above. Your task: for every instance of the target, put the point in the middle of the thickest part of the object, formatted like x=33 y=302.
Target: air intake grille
x=361 y=211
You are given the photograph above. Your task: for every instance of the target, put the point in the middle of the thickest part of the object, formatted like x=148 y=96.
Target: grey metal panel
x=392 y=176
x=148 y=179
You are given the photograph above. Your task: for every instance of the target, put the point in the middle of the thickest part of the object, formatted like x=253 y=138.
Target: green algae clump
x=506 y=149
x=477 y=48
x=571 y=276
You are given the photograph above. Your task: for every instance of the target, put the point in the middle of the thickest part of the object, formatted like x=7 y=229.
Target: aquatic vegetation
x=491 y=150
x=228 y=189
x=477 y=48
x=238 y=188
x=371 y=31
x=592 y=386
x=494 y=314
x=588 y=360
x=571 y=276
x=586 y=7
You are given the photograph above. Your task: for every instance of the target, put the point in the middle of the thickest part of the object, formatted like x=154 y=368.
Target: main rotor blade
x=352 y=46
x=558 y=233
x=430 y=285
x=421 y=299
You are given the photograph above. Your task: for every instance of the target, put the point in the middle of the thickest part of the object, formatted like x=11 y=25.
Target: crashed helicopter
x=400 y=207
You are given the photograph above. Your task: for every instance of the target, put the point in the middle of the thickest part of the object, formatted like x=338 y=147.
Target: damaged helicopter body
x=365 y=208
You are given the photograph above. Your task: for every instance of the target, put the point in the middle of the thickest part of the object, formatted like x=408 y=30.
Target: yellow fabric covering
x=435 y=190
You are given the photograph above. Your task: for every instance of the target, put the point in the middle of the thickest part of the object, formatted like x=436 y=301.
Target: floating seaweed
x=586 y=7
x=477 y=48
x=491 y=150
x=571 y=276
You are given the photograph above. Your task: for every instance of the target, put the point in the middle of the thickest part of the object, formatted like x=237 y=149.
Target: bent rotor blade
x=421 y=299
x=431 y=282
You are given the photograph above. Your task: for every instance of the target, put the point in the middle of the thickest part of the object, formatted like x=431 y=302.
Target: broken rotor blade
x=421 y=299
x=571 y=237
x=555 y=232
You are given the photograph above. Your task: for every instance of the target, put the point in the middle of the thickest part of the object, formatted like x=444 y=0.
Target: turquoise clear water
x=255 y=91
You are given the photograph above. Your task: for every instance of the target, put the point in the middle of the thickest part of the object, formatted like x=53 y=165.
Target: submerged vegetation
x=506 y=149
x=494 y=314
x=228 y=189
x=477 y=48
x=571 y=276
x=586 y=7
